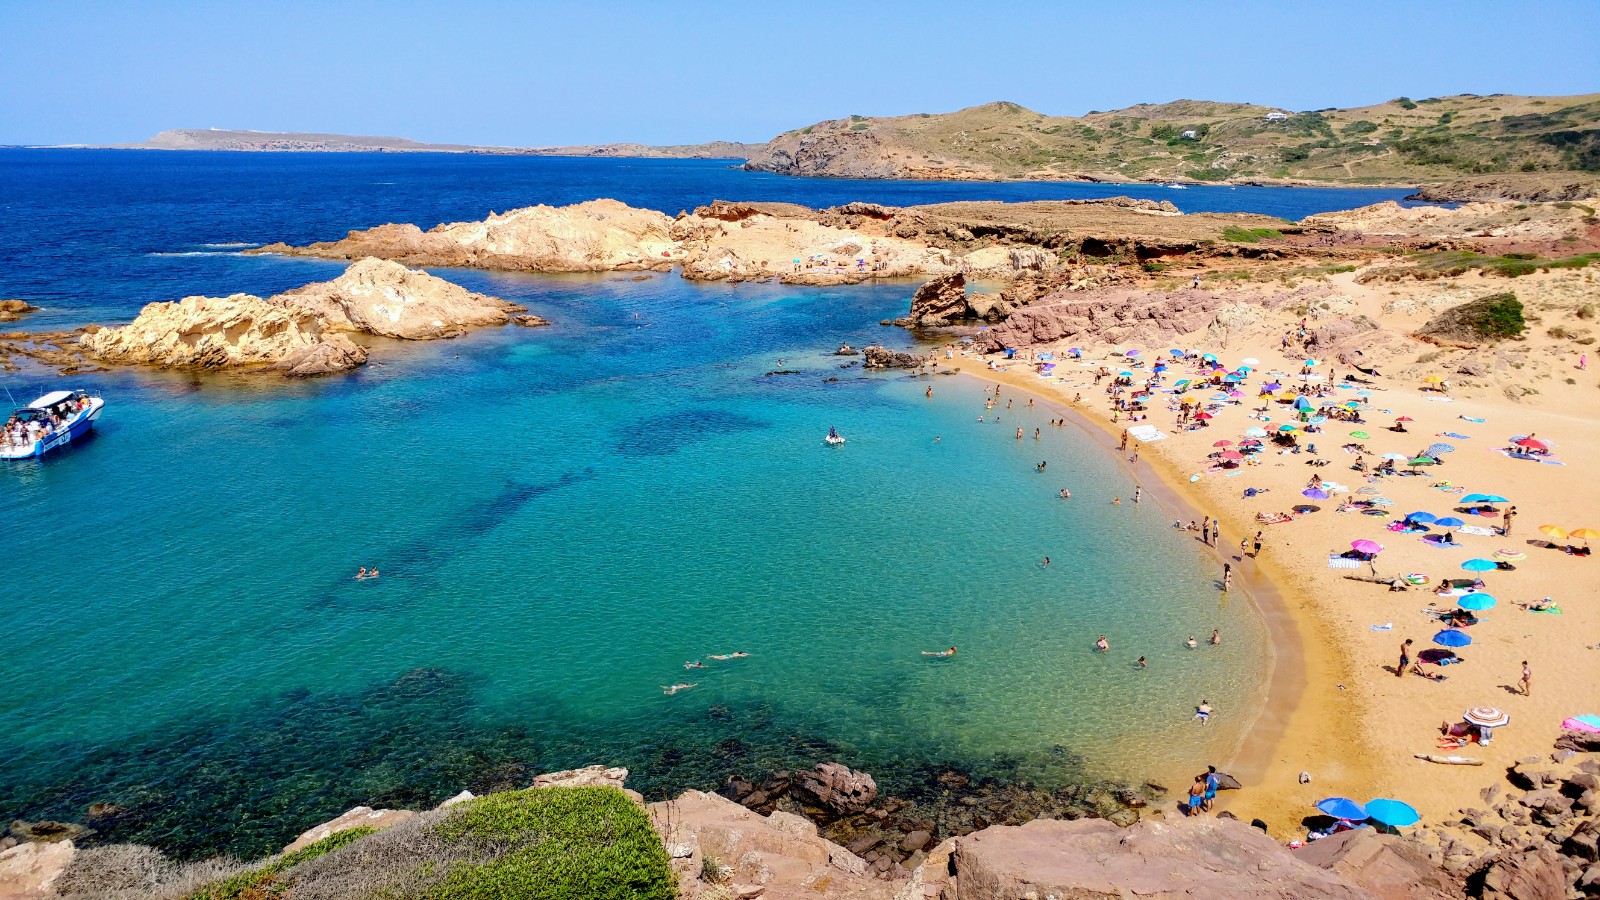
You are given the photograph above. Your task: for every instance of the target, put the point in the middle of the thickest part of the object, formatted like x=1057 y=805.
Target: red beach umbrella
x=1223 y=444
x=1232 y=454
x=1203 y=415
x=1532 y=444
x=1405 y=419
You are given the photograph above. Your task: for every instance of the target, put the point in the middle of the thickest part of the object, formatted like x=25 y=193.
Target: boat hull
x=77 y=430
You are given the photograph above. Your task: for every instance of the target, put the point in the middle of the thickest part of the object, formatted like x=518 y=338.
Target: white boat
x=1178 y=187
x=48 y=423
x=834 y=438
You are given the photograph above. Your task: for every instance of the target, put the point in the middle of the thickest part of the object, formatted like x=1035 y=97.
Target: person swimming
x=361 y=574
x=1216 y=637
x=696 y=664
x=1140 y=663
x=727 y=656
x=669 y=690
x=940 y=653
x=1191 y=643
x=1101 y=645
x=1202 y=713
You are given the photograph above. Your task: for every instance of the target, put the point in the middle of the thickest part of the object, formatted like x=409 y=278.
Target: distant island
x=314 y=142
x=1462 y=147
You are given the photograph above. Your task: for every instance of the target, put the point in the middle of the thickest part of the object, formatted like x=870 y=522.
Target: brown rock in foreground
x=12 y=310
x=1090 y=858
x=30 y=870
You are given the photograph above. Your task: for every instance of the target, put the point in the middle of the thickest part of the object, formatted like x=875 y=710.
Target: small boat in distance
x=833 y=439
x=50 y=422
x=1178 y=187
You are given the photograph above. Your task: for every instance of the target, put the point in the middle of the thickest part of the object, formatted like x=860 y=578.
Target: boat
x=49 y=423
x=1178 y=187
x=834 y=438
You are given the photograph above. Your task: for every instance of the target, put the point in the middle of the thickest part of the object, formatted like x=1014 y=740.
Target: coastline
x=1286 y=717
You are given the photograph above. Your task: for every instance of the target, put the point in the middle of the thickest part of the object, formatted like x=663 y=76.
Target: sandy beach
x=1336 y=710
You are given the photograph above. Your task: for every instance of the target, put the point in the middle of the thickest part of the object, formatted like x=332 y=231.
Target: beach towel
x=1471 y=419
x=1587 y=722
x=1475 y=529
x=1459 y=437
x=1342 y=562
x=1387 y=626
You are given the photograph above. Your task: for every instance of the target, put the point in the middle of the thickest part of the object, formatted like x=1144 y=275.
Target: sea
x=563 y=517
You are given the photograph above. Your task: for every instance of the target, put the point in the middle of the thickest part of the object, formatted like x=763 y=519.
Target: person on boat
x=832 y=432
x=940 y=653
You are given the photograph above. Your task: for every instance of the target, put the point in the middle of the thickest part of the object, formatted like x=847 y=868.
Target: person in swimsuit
x=1140 y=663
x=1100 y=644
x=697 y=664
x=1202 y=713
x=1216 y=637
x=940 y=653
x=1191 y=643
x=361 y=574
x=669 y=690
x=1197 y=793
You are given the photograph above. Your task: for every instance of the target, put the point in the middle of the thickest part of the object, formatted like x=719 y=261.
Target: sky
x=535 y=73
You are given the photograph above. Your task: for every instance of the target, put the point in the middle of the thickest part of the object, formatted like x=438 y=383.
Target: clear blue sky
x=541 y=73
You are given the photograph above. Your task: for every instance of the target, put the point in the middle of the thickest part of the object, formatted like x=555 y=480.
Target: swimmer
x=727 y=656
x=669 y=690
x=1046 y=563
x=1066 y=494
x=1216 y=637
x=936 y=439
x=1137 y=493
x=1202 y=713
x=1019 y=434
x=1140 y=663
x=940 y=653
x=1036 y=434
x=361 y=574
x=1191 y=643
x=1116 y=501
x=1100 y=644
x=697 y=664
x=1040 y=466
x=930 y=391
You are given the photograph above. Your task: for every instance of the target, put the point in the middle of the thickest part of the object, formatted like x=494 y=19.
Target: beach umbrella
x=1209 y=357
x=1160 y=367
x=1286 y=427
x=1392 y=812
x=1529 y=443
x=1235 y=394
x=1583 y=534
x=1302 y=403
x=1487 y=716
x=1449 y=522
x=1405 y=419
x=1223 y=443
x=1365 y=546
x=1124 y=374
x=1433 y=656
x=1175 y=351
x=1256 y=432
x=1182 y=382
x=1314 y=493
x=1484 y=498
x=1311 y=362
x=1203 y=415
x=1422 y=461
x=1555 y=531
x=1394 y=456
x=1476 y=602
x=1433 y=379
x=1479 y=565
x=1131 y=353
x=1251 y=361
x=1271 y=386
x=1360 y=434
x=1342 y=808
x=1423 y=517
x=1307 y=508
x=1436 y=449
x=1451 y=637
x=1512 y=555
x=1232 y=454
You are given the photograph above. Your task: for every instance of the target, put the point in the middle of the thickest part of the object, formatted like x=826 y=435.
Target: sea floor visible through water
x=563 y=517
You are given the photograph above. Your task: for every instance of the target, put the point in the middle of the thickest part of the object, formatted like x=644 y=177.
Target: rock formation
x=883 y=358
x=359 y=817
x=12 y=310
x=299 y=332
x=837 y=788
x=29 y=871
x=1531 y=187
x=596 y=236
x=942 y=301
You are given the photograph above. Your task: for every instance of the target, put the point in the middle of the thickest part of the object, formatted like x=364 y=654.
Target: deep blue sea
x=563 y=517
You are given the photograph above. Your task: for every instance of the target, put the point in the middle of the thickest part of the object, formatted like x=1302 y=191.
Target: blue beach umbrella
x=1160 y=367
x=1451 y=637
x=1302 y=403
x=1209 y=357
x=1436 y=449
x=1484 y=498
x=1423 y=517
x=1175 y=351
x=1315 y=494
x=1476 y=602
x=1449 y=522
x=1124 y=374
x=1480 y=565
x=1342 y=808
x=1392 y=812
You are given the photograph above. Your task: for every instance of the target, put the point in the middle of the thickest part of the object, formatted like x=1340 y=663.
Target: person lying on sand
x=669 y=690
x=940 y=653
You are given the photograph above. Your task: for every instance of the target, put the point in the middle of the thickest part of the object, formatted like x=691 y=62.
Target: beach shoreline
x=1281 y=718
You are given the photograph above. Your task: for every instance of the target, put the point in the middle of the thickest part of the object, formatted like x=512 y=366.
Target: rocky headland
x=299 y=332
x=13 y=310
x=826 y=832
x=1524 y=186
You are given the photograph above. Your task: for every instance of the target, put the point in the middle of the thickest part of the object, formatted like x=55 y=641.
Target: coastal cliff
x=299 y=332
x=1399 y=141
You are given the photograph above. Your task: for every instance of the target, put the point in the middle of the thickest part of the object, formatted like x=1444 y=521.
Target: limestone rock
x=359 y=817
x=837 y=787
x=375 y=296
x=227 y=332
x=942 y=301
x=782 y=854
x=1089 y=858
x=596 y=236
x=1391 y=867
x=529 y=320
x=588 y=776
x=462 y=797
x=12 y=310
x=883 y=358
x=30 y=870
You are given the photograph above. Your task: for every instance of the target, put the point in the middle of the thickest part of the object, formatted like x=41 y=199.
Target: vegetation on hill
x=1398 y=141
x=1495 y=317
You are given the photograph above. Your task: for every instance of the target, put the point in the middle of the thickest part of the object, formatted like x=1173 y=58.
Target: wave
x=196 y=253
x=229 y=244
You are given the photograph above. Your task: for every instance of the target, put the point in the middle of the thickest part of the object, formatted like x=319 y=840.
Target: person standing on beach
x=1137 y=493
x=1255 y=550
x=1227 y=577
x=1124 y=445
x=1405 y=659
x=1205 y=531
x=1526 y=682
x=1505 y=520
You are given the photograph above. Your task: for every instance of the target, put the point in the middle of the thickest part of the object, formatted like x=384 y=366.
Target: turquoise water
x=563 y=517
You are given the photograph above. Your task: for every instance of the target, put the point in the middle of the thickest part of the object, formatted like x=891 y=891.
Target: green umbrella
x=1423 y=461
x=1360 y=434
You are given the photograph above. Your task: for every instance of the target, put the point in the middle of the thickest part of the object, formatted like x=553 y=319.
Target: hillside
x=1397 y=142
x=313 y=142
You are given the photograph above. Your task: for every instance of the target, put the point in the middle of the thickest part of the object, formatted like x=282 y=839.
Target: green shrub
x=1500 y=317
x=1153 y=265
x=587 y=843
x=860 y=126
x=1212 y=174
x=1360 y=126
x=1249 y=235
x=1405 y=103
x=1586 y=311
x=263 y=883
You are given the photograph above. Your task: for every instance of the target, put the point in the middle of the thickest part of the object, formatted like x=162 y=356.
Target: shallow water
x=562 y=516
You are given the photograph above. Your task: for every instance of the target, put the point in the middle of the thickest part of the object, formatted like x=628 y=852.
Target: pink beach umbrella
x=1232 y=454
x=1223 y=444
x=1365 y=546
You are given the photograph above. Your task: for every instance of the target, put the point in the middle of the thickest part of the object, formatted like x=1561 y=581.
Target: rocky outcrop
x=940 y=302
x=1389 y=866
x=1531 y=187
x=12 y=310
x=595 y=236
x=29 y=871
x=359 y=817
x=239 y=331
x=746 y=854
x=876 y=357
x=588 y=776
x=837 y=788
x=299 y=332
x=375 y=296
x=1119 y=315
x=1088 y=858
